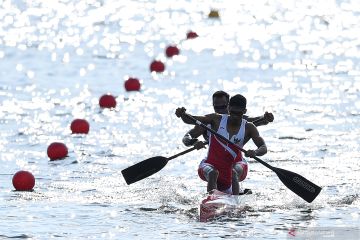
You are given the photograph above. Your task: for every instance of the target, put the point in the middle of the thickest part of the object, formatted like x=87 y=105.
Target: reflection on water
x=297 y=59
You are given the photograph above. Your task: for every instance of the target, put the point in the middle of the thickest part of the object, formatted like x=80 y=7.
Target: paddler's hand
x=180 y=112
x=250 y=153
x=199 y=145
x=268 y=116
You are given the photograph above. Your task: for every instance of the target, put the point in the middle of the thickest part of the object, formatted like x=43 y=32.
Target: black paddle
x=148 y=167
x=295 y=182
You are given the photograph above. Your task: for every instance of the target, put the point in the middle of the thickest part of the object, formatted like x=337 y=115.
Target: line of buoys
x=25 y=180
x=157 y=66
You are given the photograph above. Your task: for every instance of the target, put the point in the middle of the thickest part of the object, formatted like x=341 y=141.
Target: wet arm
x=253 y=119
x=191 y=136
x=261 y=120
x=180 y=112
x=258 y=140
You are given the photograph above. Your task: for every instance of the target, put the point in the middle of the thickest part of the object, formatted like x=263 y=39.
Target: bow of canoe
x=219 y=204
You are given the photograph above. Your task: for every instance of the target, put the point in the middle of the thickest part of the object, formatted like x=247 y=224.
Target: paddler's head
x=237 y=106
x=220 y=102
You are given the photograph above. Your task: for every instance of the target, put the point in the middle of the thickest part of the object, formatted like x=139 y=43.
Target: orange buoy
x=23 y=181
x=214 y=14
x=57 y=150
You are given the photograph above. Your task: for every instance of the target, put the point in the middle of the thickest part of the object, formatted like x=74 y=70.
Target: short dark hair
x=219 y=94
x=238 y=100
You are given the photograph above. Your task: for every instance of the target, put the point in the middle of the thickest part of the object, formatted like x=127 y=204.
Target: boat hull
x=219 y=204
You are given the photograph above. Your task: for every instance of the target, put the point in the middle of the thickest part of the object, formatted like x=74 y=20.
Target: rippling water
x=298 y=59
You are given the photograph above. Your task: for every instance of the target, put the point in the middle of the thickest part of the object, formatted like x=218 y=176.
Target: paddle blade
x=143 y=169
x=298 y=184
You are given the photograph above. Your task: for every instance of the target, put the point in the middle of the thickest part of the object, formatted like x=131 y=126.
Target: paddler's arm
x=191 y=137
x=251 y=119
x=258 y=140
x=261 y=120
x=207 y=119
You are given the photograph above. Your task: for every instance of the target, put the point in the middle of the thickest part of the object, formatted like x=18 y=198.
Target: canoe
x=219 y=204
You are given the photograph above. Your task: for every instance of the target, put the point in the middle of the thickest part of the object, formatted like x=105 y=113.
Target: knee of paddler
x=237 y=170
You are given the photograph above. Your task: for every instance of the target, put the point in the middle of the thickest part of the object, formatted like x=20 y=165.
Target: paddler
x=220 y=101
x=224 y=166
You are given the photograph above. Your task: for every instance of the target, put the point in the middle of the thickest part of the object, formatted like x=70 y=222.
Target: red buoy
x=23 y=181
x=132 y=84
x=157 y=66
x=191 y=35
x=80 y=126
x=107 y=101
x=57 y=150
x=172 y=51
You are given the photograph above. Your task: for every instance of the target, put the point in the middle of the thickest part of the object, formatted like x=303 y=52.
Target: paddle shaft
x=181 y=153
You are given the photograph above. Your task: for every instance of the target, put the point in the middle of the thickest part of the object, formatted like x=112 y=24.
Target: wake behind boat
x=221 y=204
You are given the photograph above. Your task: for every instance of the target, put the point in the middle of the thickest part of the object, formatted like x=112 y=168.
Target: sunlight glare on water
x=296 y=59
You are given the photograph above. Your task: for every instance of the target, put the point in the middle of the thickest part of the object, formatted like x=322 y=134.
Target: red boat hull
x=219 y=204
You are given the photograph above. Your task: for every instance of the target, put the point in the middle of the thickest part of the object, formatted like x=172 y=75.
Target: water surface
x=299 y=60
